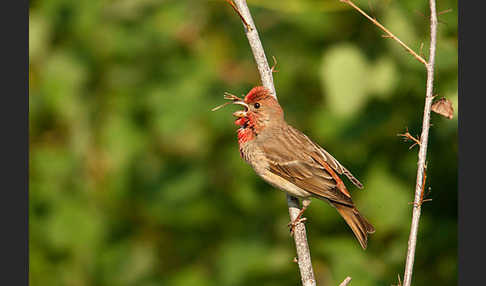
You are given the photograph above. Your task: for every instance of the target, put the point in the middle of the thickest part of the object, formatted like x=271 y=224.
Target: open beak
x=240 y=113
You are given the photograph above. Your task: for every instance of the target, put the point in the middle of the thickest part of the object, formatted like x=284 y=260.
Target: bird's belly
x=282 y=184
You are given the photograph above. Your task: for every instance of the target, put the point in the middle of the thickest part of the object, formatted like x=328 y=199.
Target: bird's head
x=261 y=110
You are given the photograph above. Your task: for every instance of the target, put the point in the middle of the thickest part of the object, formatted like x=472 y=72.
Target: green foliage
x=134 y=181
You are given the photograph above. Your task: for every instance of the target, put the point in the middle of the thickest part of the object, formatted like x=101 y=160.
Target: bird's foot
x=294 y=223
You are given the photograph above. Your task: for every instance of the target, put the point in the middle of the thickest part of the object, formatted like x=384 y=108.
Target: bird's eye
x=257 y=105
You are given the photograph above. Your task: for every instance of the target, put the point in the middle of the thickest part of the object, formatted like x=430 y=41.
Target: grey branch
x=346 y=281
x=300 y=237
x=412 y=240
x=301 y=245
x=256 y=47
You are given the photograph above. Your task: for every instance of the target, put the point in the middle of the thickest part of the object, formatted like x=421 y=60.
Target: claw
x=294 y=223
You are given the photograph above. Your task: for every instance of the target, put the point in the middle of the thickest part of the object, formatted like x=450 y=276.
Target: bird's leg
x=299 y=218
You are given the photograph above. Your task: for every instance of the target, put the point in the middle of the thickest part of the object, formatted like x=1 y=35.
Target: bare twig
x=300 y=237
x=423 y=185
x=390 y=35
x=445 y=11
x=399 y=280
x=422 y=200
x=346 y=281
x=407 y=136
x=274 y=67
x=421 y=49
x=412 y=241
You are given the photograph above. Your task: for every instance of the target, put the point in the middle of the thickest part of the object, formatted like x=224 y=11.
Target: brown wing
x=311 y=179
x=320 y=155
x=302 y=165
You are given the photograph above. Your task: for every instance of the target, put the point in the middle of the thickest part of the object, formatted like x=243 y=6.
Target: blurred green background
x=133 y=181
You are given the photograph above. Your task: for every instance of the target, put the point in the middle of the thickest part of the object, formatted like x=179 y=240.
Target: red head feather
x=257 y=93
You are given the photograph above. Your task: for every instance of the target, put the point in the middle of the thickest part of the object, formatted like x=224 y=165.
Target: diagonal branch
x=300 y=237
x=346 y=281
x=389 y=34
x=412 y=241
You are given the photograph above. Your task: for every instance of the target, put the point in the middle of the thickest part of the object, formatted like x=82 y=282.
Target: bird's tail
x=358 y=224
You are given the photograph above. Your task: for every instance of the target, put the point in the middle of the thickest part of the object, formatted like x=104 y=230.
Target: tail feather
x=357 y=222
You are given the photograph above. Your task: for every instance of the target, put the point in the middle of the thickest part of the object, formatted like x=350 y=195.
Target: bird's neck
x=250 y=131
x=245 y=135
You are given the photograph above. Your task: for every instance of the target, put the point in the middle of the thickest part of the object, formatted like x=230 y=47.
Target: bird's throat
x=248 y=128
x=245 y=134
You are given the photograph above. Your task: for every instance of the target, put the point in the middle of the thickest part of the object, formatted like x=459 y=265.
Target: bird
x=290 y=161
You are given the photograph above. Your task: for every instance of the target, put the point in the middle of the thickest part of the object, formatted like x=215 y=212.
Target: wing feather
x=310 y=179
x=305 y=168
x=319 y=154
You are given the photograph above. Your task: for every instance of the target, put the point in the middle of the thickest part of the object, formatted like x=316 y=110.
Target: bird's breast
x=252 y=154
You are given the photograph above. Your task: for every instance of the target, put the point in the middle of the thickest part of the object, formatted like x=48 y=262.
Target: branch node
x=407 y=136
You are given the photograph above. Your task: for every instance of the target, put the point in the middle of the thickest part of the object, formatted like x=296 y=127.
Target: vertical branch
x=424 y=138
x=256 y=47
x=412 y=241
x=301 y=245
x=300 y=237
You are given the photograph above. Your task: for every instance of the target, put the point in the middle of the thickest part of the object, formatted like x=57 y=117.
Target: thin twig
x=412 y=241
x=274 y=67
x=407 y=136
x=399 y=280
x=445 y=11
x=300 y=237
x=346 y=281
x=421 y=49
x=423 y=185
x=390 y=35
x=422 y=200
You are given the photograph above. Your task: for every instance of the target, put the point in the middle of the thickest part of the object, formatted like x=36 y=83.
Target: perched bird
x=288 y=160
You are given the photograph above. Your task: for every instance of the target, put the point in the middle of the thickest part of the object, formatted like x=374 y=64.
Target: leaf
x=443 y=107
